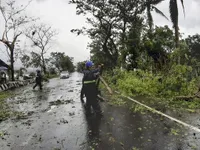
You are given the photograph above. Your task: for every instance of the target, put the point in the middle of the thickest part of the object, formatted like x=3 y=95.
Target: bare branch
x=18 y=11
x=15 y=38
x=41 y=36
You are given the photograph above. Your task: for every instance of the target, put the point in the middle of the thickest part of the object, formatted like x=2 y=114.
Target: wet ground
x=54 y=119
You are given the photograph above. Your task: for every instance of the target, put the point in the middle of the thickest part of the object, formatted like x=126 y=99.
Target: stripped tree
x=42 y=38
x=14 y=22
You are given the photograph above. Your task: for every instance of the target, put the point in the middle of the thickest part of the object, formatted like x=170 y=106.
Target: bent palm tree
x=173 y=8
x=150 y=6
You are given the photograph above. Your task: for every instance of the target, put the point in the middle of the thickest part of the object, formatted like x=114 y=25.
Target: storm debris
x=21 y=115
x=63 y=121
x=72 y=113
x=28 y=123
x=60 y=102
x=30 y=113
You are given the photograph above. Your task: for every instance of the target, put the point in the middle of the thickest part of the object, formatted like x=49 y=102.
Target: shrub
x=176 y=82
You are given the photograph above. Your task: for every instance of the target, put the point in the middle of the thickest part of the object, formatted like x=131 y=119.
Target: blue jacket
x=90 y=75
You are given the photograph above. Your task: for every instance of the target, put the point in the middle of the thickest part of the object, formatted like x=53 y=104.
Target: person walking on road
x=90 y=89
x=38 y=80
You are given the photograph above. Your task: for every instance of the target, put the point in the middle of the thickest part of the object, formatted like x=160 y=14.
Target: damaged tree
x=42 y=37
x=13 y=23
x=109 y=23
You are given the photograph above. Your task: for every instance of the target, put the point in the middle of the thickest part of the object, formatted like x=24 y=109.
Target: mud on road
x=54 y=119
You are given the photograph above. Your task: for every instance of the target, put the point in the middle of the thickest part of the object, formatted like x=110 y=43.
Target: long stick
x=98 y=80
x=101 y=98
x=104 y=82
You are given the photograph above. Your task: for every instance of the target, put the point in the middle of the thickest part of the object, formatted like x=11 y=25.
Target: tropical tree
x=160 y=46
x=80 y=66
x=193 y=43
x=25 y=59
x=62 y=62
x=173 y=9
x=133 y=44
x=109 y=21
x=150 y=5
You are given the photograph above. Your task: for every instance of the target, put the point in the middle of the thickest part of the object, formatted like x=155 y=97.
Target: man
x=38 y=80
x=90 y=89
x=98 y=69
x=3 y=77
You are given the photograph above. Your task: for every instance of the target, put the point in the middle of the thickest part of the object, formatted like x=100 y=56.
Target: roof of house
x=3 y=64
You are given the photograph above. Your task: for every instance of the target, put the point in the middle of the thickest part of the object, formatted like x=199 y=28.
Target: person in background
x=38 y=80
x=3 y=77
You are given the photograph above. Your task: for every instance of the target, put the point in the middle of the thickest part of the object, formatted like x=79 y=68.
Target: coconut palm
x=151 y=6
x=173 y=9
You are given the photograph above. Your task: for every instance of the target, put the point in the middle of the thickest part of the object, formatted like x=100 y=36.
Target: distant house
x=3 y=71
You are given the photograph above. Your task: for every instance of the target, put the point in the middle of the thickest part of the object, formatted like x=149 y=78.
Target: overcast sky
x=62 y=17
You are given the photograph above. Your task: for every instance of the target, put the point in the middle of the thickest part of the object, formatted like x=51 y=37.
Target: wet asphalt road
x=55 y=120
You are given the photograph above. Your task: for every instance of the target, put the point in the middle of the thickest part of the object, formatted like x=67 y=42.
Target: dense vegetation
x=140 y=57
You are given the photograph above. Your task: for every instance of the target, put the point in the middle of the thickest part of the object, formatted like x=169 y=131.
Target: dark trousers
x=38 y=84
x=82 y=94
x=90 y=91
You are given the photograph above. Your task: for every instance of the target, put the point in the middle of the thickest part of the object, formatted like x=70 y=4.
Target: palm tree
x=151 y=6
x=173 y=8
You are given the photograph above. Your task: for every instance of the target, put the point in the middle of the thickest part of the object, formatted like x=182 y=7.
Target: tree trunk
x=12 y=64
x=177 y=36
x=44 y=69
x=123 y=57
x=177 y=41
x=43 y=64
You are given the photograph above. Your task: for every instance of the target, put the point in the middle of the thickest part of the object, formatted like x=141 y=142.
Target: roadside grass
x=51 y=76
x=191 y=106
x=5 y=111
x=151 y=92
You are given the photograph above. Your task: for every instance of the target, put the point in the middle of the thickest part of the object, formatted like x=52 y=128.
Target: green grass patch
x=175 y=132
x=137 y=108
x=4 y=108
x=49 y=76
x=190 y=106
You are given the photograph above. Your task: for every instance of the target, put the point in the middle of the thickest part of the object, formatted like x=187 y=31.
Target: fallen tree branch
x=101 y=98
x=188 y=98
x=104 y=82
